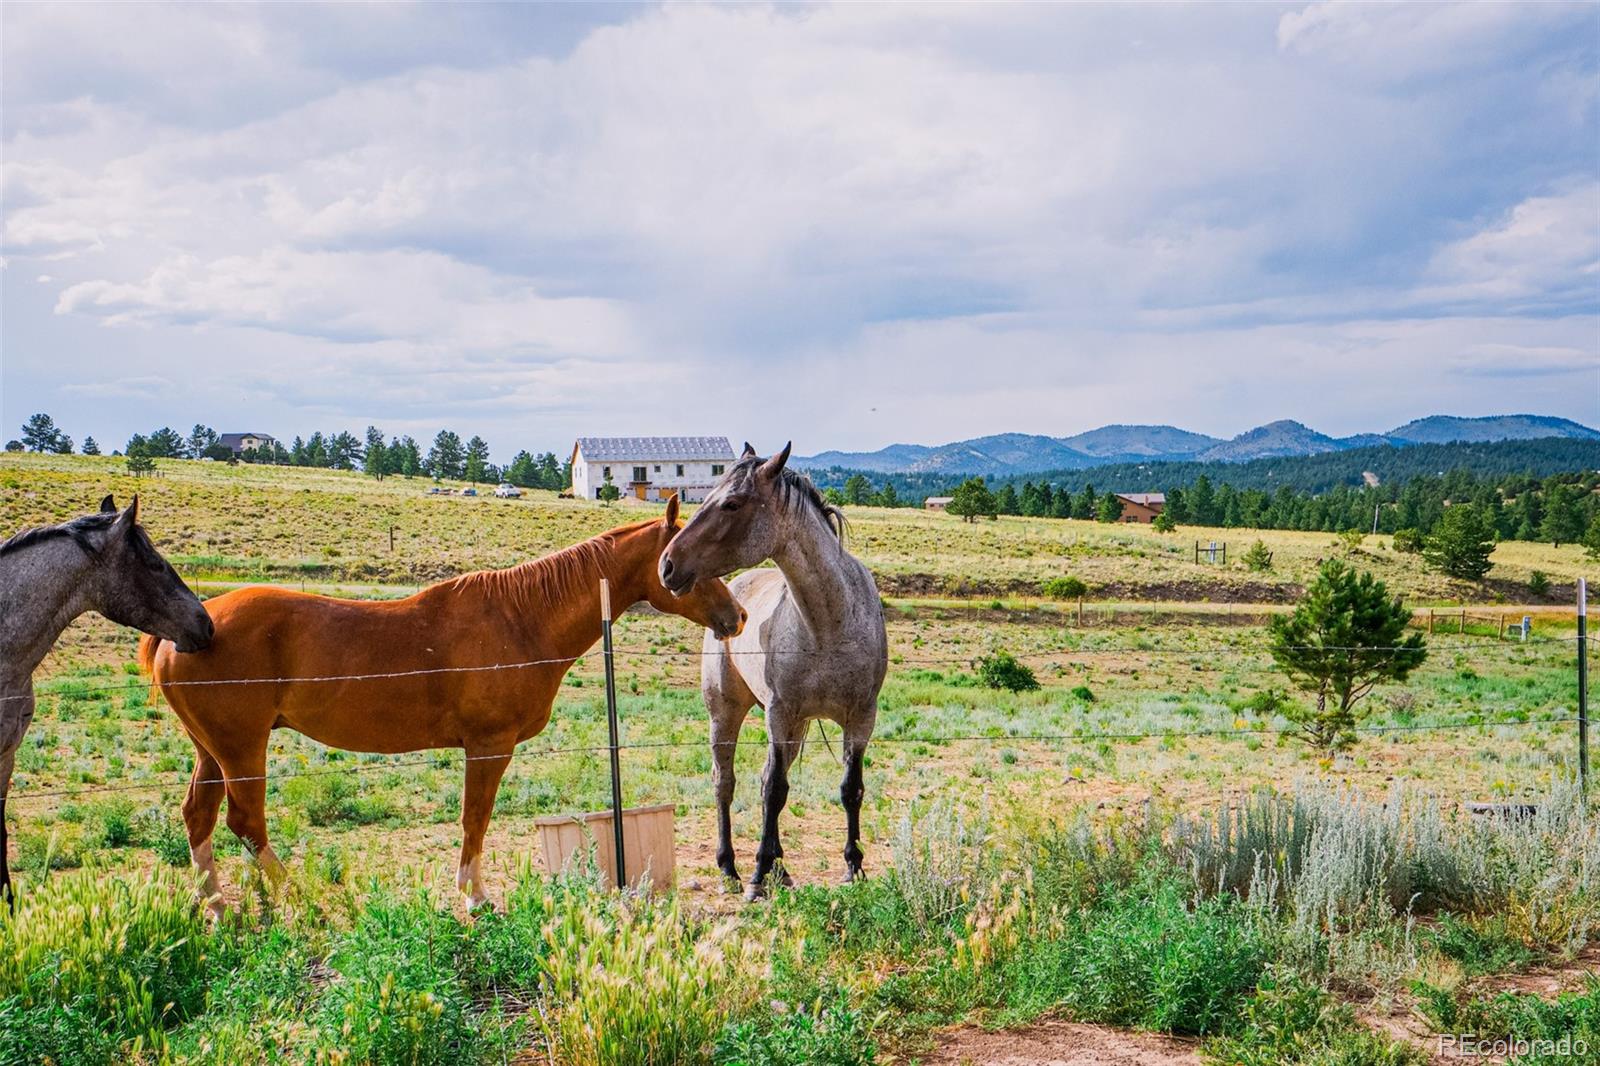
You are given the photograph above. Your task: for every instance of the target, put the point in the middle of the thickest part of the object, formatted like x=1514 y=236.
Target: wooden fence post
x=1430 y=621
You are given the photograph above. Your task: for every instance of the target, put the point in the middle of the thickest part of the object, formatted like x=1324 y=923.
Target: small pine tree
x=857 y=489
x=139 y=462
x=1407 y=541
x=1164 y=523
x=1110 y=509
x=1539 y=584
x=1460 y=544
x=1346 y=636
x=90 y=447
x=609 y=493
x=1258 y=558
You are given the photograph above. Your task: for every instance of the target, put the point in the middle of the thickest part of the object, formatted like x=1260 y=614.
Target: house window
x=680 y=469
x=658 y=469
x=605 y=471
x=638 y=474
x=716 y=469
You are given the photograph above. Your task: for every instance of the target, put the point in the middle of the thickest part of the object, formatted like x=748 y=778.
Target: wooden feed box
x=647 y=839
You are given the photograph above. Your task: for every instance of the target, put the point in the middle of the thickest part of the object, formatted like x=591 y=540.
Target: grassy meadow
x=1127 y=845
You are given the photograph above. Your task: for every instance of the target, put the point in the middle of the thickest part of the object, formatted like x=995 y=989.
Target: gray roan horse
x=814 y=647
x=49 y=576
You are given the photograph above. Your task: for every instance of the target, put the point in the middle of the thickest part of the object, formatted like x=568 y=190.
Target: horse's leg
x=728 y=699
x=200 y=807
x=787 y=737
x=16 y=713
x=486 y=764
x=247 y=807
x=851 y=791
x=8 y=762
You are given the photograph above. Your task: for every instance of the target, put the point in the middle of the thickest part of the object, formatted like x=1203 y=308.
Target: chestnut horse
x=284 y=659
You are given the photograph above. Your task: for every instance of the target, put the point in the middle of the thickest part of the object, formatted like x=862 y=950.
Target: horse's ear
x=108 y=505
x=774 y=466
x=748 y=451
x=129 y=517
x=672 y=513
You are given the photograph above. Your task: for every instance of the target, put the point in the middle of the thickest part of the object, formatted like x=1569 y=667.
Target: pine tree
x=40 y=434
x=1563 y=522
x=971 y=500
x=200 y=438
x=1461 y=544
x=856 y=489
x=1084 y=505
x=477 y=465
x=1346 y=636
x=609 y=493
x=446 y=458
x=1110 y=509
x=1006 y=501
x=344 y=450
x=90 y=447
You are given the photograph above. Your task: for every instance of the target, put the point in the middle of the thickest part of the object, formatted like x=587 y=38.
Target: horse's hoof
x=481 y=905
x=754 y=891
x=852 y=876
x=784 y=879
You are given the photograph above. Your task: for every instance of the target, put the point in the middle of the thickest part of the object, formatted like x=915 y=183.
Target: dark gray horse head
x=126 y=579
x=743 y=520
x=139 y=588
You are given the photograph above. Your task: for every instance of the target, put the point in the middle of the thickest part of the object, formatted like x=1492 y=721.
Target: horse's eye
x=730 y=505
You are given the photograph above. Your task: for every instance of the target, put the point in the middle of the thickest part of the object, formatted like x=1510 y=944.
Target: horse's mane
x=556 y=576
x=78 y=529
x=796 y=490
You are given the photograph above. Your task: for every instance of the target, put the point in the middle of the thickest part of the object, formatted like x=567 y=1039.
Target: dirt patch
x=1058 y=1043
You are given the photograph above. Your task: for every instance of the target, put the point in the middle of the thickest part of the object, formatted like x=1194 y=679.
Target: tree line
x=448 y=457
x=1558 y=509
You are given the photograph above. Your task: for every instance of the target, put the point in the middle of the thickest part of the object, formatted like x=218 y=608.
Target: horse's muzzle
x=198 y=638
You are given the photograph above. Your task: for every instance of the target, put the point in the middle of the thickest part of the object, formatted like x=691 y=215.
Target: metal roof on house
x=623 y=449
x=233 y=440
x=1145 y=498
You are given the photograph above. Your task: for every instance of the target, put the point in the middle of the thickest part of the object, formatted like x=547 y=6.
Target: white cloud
x=730 y=200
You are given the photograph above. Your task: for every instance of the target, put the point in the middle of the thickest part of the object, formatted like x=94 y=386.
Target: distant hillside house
x=1141 y=506
x=649 y=468
x=238 y=443
x=937 y=503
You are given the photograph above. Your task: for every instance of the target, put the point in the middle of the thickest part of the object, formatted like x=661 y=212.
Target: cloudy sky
x=846 y=225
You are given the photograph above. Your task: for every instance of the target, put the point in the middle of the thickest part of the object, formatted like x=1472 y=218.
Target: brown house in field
x=1141 y=506
x=937 y=503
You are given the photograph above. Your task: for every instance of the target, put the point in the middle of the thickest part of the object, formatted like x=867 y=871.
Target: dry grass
x=284 y=523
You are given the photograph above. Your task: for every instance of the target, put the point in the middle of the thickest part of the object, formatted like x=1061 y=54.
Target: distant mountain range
x=1022 y=453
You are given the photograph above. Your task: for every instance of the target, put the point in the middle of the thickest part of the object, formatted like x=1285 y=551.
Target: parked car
x=507 y=491
x=469 y=491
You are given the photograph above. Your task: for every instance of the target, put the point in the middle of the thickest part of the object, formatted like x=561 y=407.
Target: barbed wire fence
x=1061 y=655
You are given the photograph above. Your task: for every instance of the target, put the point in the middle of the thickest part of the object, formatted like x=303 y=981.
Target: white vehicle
x=507 y=491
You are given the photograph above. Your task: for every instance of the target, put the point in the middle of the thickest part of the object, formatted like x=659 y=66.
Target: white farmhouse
x=649 y=468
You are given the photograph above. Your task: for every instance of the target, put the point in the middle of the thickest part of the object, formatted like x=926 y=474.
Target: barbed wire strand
x=133 y=684
x=933 y=741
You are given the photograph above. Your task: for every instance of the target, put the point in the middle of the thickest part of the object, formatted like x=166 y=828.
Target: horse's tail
x=148 y=646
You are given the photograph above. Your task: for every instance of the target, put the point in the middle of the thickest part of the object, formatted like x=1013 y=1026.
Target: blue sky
x=845 y=225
